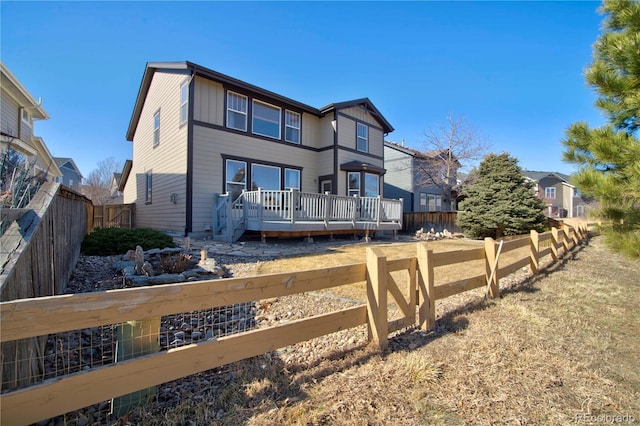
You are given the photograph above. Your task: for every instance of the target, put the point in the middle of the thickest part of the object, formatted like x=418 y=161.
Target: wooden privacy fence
x=411 y=222
x=23 y=319
x=37 y=255
x=114 y=216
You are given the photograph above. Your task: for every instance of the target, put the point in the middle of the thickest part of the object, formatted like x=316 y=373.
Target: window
x=354 y=183
x=156 y=128
x=184 y=102
x=576 y=192
x=292 y=126
x=26 y=117
x=435 y=202
x=236 y=111
x=423 y=202
x=265 y=177
x=148 y=188
x=291 y=179
x=371 y=185
x=550 y=192
x=362 y=138
x=70 y=183
x=236 y=175
x=266 y=120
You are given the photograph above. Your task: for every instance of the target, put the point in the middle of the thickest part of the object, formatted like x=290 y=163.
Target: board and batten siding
x=208 y=101
x=347 y=134
x=210 y=145
x=167 y=162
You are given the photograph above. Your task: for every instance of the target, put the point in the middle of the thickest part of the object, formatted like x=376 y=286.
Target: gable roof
x=421 y=155
x=537 y=176
x=363 y=102
x=198 y=70
x=61 y=161
x=11 y=84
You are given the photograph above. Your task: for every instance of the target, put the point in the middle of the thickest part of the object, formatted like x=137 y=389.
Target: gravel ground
x=96 y=273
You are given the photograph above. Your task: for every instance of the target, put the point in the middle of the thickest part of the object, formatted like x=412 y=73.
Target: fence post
x=490 y=263
x=565 y=240
x=377 y=297
x=426 y=310
x=534 y=244
x=554 y=244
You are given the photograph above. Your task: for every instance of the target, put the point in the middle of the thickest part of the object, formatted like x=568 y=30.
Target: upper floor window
x=26 y=117
x=266 y=120
x=550 y=192
x=236 y=111
x=292 y=126
x=184 y=102
x=156 y=128
x=362 y=137
x=576 y=192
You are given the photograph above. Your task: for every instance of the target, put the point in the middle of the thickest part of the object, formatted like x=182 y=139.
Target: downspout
x=334 y=184
x=189 y=197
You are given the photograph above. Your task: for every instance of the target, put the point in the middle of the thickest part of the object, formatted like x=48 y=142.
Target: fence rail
x=36 y=317
x=439 y=221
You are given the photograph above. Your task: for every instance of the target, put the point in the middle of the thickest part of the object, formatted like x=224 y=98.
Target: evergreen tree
x=609 y=157
x=500 y=201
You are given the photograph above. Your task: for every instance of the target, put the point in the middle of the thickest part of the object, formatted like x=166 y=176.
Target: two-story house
x=71 y=176
x=561 y=197
x=198 y=134
x=18 y=113
x=420 y=178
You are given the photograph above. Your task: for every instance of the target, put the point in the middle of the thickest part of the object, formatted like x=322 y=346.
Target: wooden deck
x=296 y=212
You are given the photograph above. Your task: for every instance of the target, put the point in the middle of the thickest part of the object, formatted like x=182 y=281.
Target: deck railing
x=294 y=206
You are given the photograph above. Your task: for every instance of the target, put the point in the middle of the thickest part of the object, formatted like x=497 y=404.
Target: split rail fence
x=28 y=318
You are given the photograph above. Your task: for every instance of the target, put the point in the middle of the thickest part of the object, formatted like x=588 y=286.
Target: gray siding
x=9 y=115
x=398 y=182
x=167 y=161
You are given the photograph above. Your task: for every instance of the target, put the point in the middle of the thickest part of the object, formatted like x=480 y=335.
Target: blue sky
x=514 y=70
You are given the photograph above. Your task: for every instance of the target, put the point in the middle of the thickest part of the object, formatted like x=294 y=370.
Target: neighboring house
x=198 y=133
x=114 y=186
x=18 y=113
x=406 y=178
x=71 y=176
x=562 y=198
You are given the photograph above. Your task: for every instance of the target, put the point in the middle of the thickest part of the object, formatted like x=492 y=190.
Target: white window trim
x=184 y=104
x=359 y=183
x=358 y=137
x=29 y=117
x=286 y=169
x=292 y=127
x=156 y=129
x=253 y=117
x=245 y=113
x=148 y=187
x=548 y=191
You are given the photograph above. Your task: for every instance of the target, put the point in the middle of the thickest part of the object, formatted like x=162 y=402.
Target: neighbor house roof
x=61 y=161
x=425 y=155
x=198 y=70
x=537 y=176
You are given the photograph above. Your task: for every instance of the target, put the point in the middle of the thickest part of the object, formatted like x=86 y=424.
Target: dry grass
x=563 y=343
